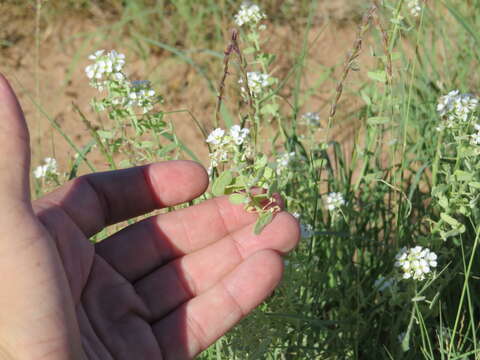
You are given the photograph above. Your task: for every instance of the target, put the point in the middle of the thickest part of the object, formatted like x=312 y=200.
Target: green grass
x=327 y=306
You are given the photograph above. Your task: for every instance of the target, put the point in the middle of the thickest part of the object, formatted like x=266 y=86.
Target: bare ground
x=56 y=81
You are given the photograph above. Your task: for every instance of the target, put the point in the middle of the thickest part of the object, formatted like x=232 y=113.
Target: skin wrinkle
x=160 y=252
x=148 y=185
x=138 y=309
x=103 y=200
x=92 y=323
x=181 y=220
x=42 y=216
x=188 y=285
x=94 y=333
x=196 y=330
x=222 y=215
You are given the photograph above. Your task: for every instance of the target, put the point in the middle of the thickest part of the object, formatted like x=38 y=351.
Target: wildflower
x=456 y=107
x=141 y=95
x=306 y=230
x=416 y=262
x=311 y=118
x=283 y=161
x=238 y=134
x=224 y=144
x=48 y=168
x=476 y=137
x=216 y=137
x=249 y=14
x=334 y=201
x=414 y=7
x=383 y=283
x=105 y=66
x=257 y=82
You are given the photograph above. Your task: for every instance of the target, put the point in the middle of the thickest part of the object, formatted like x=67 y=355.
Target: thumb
x=14 y=147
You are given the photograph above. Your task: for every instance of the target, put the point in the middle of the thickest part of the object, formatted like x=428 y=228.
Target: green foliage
x=409 y=179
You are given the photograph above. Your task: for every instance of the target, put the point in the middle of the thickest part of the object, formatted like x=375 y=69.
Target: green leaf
x=125 y=163
x=261 y=161
x=105 y=134
x=378 y=120
x=249 y=50
x=474 y=184
x=80 y=158
x=463 y=175
x=237 y=199
x=166 y=149
x=366 y=98
x=379 y=76
x=443 y=201
x=220 y=183
x=263 y=220
x=452 y=222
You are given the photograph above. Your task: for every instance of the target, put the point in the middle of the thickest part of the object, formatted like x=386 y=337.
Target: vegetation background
x=382 y=150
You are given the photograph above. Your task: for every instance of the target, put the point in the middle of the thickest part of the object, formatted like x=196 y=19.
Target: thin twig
x=221 y=88
x=351 y=57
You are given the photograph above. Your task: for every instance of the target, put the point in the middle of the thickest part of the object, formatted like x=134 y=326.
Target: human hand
x=163 y=288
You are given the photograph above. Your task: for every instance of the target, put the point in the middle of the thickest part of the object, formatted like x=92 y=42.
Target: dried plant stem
x=351 y=57
x=235 y=48
x=221 y=87
x=386 y=48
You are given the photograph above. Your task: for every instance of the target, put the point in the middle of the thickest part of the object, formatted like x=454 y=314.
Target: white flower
x=414 y=7
x=216 y=137
x=334 y=201
x=311 y=118
x=475 y=138
x=455 y=107
x=105 y=66
x=49 y=167
x=96 y=54
x=416 y=262
x=283 y=161
x=257 y=82
x=218 y=156
x=238 y=134
x=141 y=95
x=249 y=14
x=306 y=230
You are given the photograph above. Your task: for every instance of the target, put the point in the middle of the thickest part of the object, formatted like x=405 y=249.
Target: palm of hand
x=163 y=288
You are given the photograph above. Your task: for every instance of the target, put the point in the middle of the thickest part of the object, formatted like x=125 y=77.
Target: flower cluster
x=141 y=95
x=455 y=107
x=106 y=67
x=283 y=161
x=224 y=143
x=257 y=82
x=414 y=7
x=49 y=168
x=311 y=118
x=416 y=262
x=334 y=201
x=249 y=14
x=107 y=73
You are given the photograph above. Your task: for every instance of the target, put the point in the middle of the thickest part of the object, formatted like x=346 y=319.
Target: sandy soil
x=51 y=85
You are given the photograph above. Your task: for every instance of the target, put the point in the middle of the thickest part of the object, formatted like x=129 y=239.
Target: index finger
x=96 y=200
